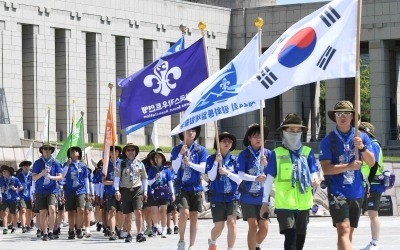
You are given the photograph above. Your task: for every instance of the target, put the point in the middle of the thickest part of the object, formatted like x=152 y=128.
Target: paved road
x=321 y=235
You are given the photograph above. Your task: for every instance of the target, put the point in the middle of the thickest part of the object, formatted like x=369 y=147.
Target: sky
x=298 y=1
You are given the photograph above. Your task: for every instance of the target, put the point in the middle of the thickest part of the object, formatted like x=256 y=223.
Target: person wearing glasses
x=222 y=193
x=294 y=171
x=342 y=171
x=46 y=171
x=130 y=185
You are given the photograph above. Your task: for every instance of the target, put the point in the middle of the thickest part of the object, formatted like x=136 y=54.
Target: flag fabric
x=178 y=46
x=320 y=46
x=208 y=100
x=45 y=128
x=29 y=156
x=109 y=136
x=154 y=136
x=74 y=139
x=160 y=89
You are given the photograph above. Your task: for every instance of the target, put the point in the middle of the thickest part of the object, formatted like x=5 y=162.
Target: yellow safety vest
x=365 y=169
x=286 y=196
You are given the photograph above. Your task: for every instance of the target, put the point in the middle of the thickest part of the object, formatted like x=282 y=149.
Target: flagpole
x=357 y=79
x=183 y=29
x=259 y=22
x=72 y=126
x=83 y=139
x=48 y=125
x=202 y=26
x=111 y=86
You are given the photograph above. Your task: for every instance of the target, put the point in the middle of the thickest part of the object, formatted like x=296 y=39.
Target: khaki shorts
x=73 y=202
x=290 y=220
x=221 y=210
x=112 y=204
x=191 y=200
x=27 y=204
x=43 y=201
x=132 y=199
x=345 y=210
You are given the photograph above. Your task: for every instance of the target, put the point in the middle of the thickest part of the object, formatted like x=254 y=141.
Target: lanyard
x=226 y=159
x=346 y=143
x=26 y=176
x=257 y=159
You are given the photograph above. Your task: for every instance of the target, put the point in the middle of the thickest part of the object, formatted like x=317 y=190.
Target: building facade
x=59 y=54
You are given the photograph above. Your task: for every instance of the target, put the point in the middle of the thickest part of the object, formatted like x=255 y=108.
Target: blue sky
x=297 y=1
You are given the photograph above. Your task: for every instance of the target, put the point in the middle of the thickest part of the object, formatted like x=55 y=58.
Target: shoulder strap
x=332 y=141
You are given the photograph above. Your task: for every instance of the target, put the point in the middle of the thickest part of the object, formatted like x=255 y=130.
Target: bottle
x=386 y=175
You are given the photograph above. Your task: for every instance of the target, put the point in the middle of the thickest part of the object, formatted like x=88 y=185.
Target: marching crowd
x=155 y=191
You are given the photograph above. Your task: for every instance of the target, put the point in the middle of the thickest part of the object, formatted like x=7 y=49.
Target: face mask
x=292 y=140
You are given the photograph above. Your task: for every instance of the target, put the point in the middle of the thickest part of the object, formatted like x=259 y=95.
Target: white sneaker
x=181 y=245
x=164 y=233
x=371 y=246
x=65 y=224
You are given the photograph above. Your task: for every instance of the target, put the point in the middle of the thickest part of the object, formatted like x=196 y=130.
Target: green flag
x=74 y=139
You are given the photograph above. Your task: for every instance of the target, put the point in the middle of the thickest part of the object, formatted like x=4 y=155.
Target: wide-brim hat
x=292 y=120
x=130 y=145
x=9 y=169
x=46 y=146
x=116 y=148
x=255 y=127
x=226 y=135
x=341 y=106
x=198 y=130
x=367 y=128
x=76 y=148
x=159 y=152
x=25 y=163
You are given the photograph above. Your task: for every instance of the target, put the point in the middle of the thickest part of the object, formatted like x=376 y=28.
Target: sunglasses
x=130 y=149
x=343 y=114
x=46 y=148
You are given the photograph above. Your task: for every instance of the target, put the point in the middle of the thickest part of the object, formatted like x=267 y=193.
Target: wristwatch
x=363 y=149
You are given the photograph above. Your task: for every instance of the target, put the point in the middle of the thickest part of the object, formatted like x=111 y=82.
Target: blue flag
x=160 y=89
x=178 y=46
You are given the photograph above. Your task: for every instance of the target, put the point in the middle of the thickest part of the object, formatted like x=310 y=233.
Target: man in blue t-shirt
x=10 y=187
x=25 y=177
x=189 y=162
x=342 y=172
x=46 y=172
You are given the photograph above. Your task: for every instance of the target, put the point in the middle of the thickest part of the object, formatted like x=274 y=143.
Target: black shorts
x=290 y=220
x=345 y=210
x=171 y=207
x=156 y=203
x=43 y=201
x=373 y=201
x=221 y=210
x=250 y=211
x=73 y=202
x=10 y=207
x=27 y=204
x=191 y=200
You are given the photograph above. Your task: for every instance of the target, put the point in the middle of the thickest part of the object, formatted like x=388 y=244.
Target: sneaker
x=151 y=234
x=92 y=222
x=169 y=230
x=113 y=236
x=128 y=238
x=28 y=229
x=211 y=246
x=5 y=231
x=19 y=224
x=107 y=232
x=10 y=226
x=181 y=245
x=124 y=234
x=98 y=227
x=38 y=233
x=88 y=235
x=164 y=234
x=118 y=232
x=79 y=234
x=65 y=224
x=13 y=230
x=371 y=246
x=140 y=238
x=176 y=230
x=45 y=237
x=71 y=235
x=258 y=248
x=24 y=230
x=147 y=231
x=51 y=236
x=32 y=224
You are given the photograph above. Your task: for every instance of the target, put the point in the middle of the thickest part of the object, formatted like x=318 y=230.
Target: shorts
x=250 y=211
x=10 y=207
x=291 y=220
x=373 y=201
x=156 y=203
x=43 y=201
x=221 y=210
x=112 y=204
x=73 y=202
x=132 y=199
x=344 y=210
x=88 y=206
x=27 y=204
x=191 y=200
x=171 y=207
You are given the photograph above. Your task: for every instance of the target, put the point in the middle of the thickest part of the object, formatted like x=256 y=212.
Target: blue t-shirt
x=10 y=195
x=376 y=151
x=190 y=178
x=44 y=185
x=248 y=161
x=26 y=182
x=75 y=178
x=223 y=189
x=109 y=189
x=166 y=175
x=97 y=176
x=349 y=183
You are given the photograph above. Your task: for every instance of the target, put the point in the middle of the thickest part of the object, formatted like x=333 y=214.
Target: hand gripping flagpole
x=259 y=22
x=357 y=80
x=202 y=26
